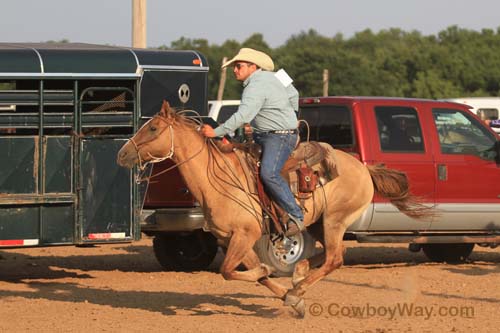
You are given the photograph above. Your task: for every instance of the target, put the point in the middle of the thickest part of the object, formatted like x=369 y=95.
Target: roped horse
x=226 y=191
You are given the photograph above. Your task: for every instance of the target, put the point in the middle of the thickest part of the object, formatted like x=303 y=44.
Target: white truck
x=486 y=108
x=220 y=111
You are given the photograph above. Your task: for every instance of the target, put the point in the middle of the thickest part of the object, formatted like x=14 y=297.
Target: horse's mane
x=189 y=121
x=215 y=147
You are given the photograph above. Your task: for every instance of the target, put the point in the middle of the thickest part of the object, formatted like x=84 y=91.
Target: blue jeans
x=276 y=149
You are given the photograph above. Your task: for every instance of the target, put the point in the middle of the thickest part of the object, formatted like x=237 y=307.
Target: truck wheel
x=283 y=253
x=185 y=251
x=451 y=253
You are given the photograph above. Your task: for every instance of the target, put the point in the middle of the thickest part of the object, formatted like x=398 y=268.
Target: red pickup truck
x=451 y=158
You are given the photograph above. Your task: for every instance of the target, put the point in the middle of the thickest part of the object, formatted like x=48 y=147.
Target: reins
x=235 y=182
x=216 y=180
x=139 y=180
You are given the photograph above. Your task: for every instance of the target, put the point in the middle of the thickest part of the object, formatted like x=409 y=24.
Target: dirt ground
x=121 y=287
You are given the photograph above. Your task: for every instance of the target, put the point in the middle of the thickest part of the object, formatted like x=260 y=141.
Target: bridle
x=154 y=159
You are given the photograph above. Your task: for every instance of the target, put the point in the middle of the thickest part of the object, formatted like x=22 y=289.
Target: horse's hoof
x=291 y=300
x=300 y=308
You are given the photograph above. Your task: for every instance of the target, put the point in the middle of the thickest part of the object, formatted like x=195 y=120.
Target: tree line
x=456 y=62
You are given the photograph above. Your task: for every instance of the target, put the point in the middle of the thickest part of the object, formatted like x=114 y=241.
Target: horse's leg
x=239 y=247
x=333 y=259
x=251 y=261
x=302 y=268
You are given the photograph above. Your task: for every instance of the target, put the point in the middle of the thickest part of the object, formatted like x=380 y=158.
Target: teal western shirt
x=266 y=104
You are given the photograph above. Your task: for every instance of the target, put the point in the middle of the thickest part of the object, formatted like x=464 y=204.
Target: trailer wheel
x=186 y=251
x=283 y=253
x=450 y=253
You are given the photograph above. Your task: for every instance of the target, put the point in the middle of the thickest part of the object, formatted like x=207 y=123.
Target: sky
x=109 y=21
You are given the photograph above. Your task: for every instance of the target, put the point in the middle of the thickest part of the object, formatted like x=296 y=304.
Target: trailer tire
x=185 y=251
x=450 y=253
x=298 y=247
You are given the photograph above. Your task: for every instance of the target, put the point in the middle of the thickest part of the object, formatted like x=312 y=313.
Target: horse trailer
x=65 y=111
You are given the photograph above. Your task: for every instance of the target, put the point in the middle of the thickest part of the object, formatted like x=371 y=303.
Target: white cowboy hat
x=255 y=57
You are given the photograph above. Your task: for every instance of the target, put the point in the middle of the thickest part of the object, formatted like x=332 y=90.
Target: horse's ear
x=166 y=110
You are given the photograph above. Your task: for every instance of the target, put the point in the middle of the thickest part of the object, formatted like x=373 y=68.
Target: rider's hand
x=207 y=130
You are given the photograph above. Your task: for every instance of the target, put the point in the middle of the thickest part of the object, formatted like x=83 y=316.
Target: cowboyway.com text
x=391 y=311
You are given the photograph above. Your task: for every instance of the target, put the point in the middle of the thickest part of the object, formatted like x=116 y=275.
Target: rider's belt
x=293 y=131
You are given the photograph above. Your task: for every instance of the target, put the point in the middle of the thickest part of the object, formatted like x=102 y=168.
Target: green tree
x=455 y=62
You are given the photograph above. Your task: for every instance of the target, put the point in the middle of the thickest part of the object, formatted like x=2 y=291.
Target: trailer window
x=487 y=114
x=399 y=129
x=107 y=109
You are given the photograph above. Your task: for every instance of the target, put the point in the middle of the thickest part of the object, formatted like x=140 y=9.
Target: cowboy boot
x=294 y=226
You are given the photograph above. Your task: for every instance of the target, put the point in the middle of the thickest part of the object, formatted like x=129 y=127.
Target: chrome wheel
x=287 y=250
x=282 y=253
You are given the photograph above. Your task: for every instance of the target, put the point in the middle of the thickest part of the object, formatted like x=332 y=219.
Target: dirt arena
x=111 y=288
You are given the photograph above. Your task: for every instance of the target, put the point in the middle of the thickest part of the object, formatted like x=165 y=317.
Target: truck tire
x=295 y=248
x=450 y=253
x=185 y=251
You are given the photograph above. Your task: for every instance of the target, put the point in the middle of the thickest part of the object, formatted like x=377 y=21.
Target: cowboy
x=269 y=103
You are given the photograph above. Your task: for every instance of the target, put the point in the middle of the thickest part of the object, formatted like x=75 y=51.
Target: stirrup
x=294 y=227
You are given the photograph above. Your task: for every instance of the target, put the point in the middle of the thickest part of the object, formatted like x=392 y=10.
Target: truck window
x=327 y=123
x=459 y=133
x=399 y=129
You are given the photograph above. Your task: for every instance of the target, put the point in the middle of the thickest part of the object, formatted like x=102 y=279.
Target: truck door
x=400 y=141
x=468 y=194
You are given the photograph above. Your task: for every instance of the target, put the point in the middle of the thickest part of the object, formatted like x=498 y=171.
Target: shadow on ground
x=164 y=302
x=141 y=259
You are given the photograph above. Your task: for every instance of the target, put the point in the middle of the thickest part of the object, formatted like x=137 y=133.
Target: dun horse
x=227 y=195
